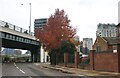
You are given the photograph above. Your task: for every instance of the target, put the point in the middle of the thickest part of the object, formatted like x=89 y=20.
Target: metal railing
x=15 y=28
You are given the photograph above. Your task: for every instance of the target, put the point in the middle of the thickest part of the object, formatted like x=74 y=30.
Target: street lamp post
x=30 y=18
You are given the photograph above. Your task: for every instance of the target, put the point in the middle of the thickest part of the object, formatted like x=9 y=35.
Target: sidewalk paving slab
x=90 y=73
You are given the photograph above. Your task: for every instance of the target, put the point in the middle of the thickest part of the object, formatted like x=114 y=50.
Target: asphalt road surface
x=30 y=70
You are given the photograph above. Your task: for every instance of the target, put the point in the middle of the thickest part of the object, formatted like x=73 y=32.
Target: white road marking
x=22 y=71
x=15 y=64
x=19 y=69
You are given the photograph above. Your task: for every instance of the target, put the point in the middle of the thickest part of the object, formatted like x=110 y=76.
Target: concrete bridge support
x=0 y=43
x=35 y=55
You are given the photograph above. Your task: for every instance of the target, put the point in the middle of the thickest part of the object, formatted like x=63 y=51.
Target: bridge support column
x=0 y=50
x=38 y=56
x=32 y=57
x=35 y=55
x=0 y=57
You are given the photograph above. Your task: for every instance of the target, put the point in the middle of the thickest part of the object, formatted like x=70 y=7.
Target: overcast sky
x=84 y=14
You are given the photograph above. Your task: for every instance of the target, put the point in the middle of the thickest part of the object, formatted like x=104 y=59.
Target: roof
x=111 y=40
x=118 y=25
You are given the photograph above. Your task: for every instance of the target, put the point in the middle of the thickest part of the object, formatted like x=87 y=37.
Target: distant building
x=76 y=38
x=118 y=32
x=81 y=46
x=39 y=23
x=119 y=12
x=106 y=30
x=87 y=45
x=8 y=51
x=18 y=52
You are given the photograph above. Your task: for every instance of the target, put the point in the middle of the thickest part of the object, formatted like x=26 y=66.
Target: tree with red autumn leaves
x=55 y=31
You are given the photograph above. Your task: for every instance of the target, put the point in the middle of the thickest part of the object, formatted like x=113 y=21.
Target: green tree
x=69 y=48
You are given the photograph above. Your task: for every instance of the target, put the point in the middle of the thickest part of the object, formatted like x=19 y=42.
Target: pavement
x=89 y=73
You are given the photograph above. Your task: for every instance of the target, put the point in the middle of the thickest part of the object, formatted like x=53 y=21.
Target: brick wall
x=105 y=61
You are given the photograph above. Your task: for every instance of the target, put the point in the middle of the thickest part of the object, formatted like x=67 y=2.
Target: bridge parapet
x=15 y=28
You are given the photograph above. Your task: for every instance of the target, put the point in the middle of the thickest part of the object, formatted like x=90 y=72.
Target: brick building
x=108 y=56
x=105 y=43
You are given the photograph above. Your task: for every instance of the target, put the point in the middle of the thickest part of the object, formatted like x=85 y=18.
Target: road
x=30 y=70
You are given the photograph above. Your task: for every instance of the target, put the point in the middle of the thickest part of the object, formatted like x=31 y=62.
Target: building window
x=98 y=48
x=114 y=47
x=110 y=34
